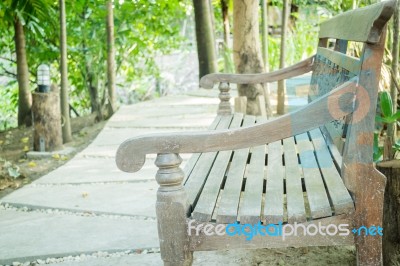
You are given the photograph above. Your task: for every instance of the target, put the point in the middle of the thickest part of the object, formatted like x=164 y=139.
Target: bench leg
x=172 y=210
x=369 y=213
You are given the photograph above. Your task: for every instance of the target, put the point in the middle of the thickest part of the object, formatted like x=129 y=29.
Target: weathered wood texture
x=224 y=107
x=358 y=171
x=172 y=209
x=230 y=186
x=47 y=134
x=331 y=69
x=361 y=25
x=300 y=68
x=203 y=242
x=130 y=156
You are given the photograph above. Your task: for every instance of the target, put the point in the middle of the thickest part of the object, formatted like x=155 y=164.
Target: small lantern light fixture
x=43 y=78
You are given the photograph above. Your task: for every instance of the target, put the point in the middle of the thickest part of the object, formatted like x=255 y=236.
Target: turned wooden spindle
x=172 y=210
x=224 y=106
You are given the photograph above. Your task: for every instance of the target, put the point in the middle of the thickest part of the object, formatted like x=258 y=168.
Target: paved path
x=88 y=205
x=87 y=212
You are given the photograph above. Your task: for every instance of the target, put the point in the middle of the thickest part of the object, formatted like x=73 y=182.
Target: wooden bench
x=312 y=167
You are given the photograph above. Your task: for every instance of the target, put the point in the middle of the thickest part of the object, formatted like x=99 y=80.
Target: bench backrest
x=334 y=65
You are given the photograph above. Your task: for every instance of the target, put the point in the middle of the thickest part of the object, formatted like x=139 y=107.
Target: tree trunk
x=91 y=80
x=246 y=49
x=205 y=38
x=227 y=45
x=354 y=4
x=110 y=59
x=24 y=93
x=47 y=122
x=392 y=128
x=91 y=83
x=66 y=127
x=281 y=84
x=391 y=216
x=264 y=31
x=225 y=20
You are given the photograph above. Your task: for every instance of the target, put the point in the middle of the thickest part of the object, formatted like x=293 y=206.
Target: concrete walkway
x=88 y=205
x=88 y=212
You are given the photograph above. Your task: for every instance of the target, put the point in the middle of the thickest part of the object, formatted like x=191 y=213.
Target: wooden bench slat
x=206 y=203
x=340 y=197
x=199 y=173
x=195 y=157
x=347 y=62
x=335 y=135
x=294 y=191
x=336 y=154
x=273 y=207
x=250 y=205
x=228 y=205
x=316 y=194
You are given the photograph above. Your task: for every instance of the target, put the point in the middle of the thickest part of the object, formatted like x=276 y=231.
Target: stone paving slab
x=92 y=170
x=213 y=93
x=27 y=235
x=201 y=258
x=153 y=259
x=172 y=100
x=115 y=136
x=123 y=199
x=181 y=121
x=95 y=151
x=138 y=111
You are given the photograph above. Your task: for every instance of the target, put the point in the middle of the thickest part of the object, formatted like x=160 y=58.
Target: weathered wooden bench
x=312 y=167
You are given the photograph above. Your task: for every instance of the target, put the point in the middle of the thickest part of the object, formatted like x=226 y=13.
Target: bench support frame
x=172 y=210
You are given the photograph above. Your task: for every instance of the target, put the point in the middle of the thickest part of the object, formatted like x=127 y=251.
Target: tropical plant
x=23 y=15
x=387 y=116
x=144 y=30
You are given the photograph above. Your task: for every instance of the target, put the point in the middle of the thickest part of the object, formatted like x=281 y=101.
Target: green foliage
x=274 y=44
x=8 y=103
x=302 y=40
x=335 y=6
x=144 y=30
x=225 y=63
x=387 y=116
x=378 y=149
x=11 y=169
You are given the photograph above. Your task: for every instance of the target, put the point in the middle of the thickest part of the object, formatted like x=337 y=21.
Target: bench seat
x=293 y=180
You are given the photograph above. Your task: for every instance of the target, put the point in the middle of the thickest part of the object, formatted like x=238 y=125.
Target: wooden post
x=224 y=106
x=46 y=121
x=240 y=104
x=260 y=100
x=172 y=209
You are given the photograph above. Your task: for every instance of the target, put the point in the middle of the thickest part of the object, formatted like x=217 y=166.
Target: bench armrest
x=335 y=105
x=300 y=68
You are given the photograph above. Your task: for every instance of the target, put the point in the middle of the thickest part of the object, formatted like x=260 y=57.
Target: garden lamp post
x=43 y=78
x=46 y=114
